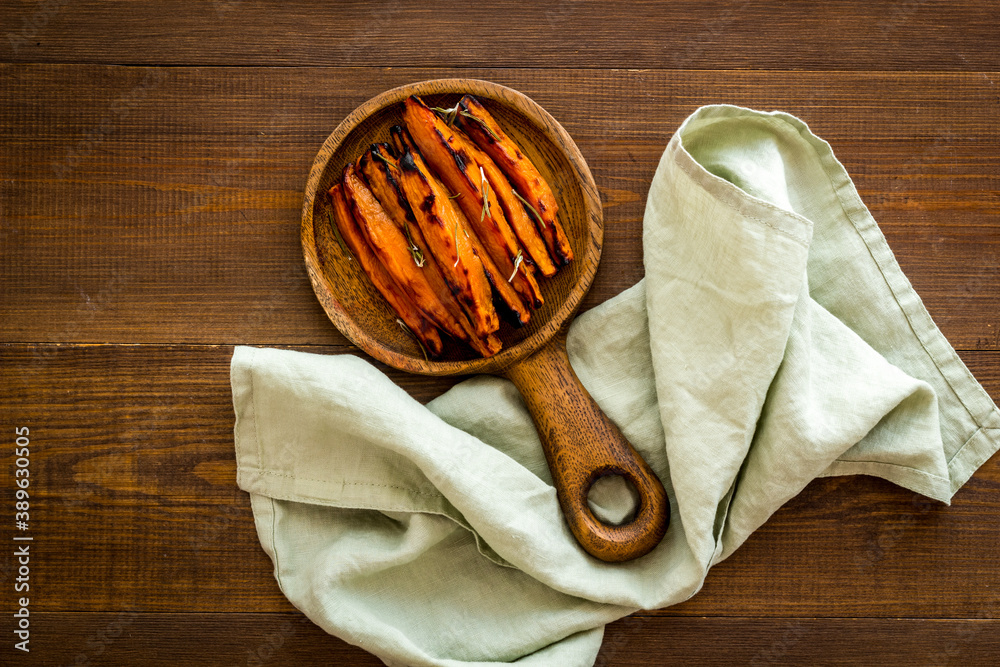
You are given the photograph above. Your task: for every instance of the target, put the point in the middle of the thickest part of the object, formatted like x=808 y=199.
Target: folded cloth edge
x=981 y=444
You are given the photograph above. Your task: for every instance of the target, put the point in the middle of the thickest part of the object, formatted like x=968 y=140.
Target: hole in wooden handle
x=634 y=537
x=582 y=445
x=613 y=499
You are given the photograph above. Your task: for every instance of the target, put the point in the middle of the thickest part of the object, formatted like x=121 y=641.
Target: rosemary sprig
x=530 y=207
x=449 y=114
x=517 y=265
x=455 y=196
x=340 y=240
x=466 y=114
x=418 y=256
x=384 y=159
x=409 y=331
x=485 y=187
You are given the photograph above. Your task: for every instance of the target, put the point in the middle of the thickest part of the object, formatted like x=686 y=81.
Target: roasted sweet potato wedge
x=417 y=323
x=520 y=221
x=514 y=309
x=381 y=172
x=475 y=180
x=392 y=249
x=541 y=205
x=401 y=140
x=487 y=346
x=447 y=240
x=447 y=153
x=466 y=156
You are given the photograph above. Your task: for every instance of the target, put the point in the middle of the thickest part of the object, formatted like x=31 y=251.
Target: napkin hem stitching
x=275 y=473
x=727 y=193
x=916 y=314
x=897 y=466
x=253 y=400
x=968 y=443
x=274 y=542
x=962 y=469
x=482 y=545
x=891 y=273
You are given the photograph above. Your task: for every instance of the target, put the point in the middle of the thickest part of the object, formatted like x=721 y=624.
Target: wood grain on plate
x=345 y=291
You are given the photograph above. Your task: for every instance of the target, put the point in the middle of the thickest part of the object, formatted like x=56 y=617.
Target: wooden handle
x=582 y=445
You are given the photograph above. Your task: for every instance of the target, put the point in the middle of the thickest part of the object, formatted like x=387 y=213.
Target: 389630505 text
x=22 y=538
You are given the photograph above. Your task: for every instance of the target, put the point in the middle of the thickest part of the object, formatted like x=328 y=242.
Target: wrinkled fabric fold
x=773 y=340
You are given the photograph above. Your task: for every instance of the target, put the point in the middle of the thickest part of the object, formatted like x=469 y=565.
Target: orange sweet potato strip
x=465 y=153
x=448 y=241
x=381 y=171
x=418 y=323
x=520 y=221
x=442 y=149
x=466 y=171
x=516 y=312
x=403 y=142
x=514 y=309
x=524 y=176
x=390 y=246
x=401 y=139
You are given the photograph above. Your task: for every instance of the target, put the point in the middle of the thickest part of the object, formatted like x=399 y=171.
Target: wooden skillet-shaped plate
x=581 y=444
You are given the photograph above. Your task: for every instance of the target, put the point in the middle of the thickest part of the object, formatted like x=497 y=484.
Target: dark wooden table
x=153 y=160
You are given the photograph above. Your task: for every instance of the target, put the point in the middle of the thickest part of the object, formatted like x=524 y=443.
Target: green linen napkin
x=773 y=340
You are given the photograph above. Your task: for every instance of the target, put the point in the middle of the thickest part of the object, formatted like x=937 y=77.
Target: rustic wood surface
x=154 y=158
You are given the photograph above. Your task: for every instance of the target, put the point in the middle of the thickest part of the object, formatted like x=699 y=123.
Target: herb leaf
x=418 y=256
x=340 y=239
x=449 y=114
x=485 y=187
x=414 y=336
x=530 y=208
x=517 y=265
x=466 y=114
x=384 y=159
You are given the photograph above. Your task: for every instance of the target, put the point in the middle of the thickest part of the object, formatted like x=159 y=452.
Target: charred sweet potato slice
x=381 y=171
x=390 y=246
x=520 y=221
x=448 y=241
x=417 y=323
x=541 y=205
x=466 y=156
x=472 y=176
x=514 y=308
x=487 y=346
x=401 y=140
x=447 y=154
